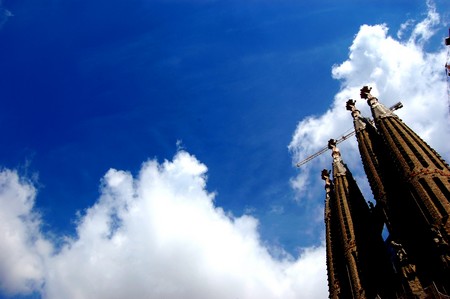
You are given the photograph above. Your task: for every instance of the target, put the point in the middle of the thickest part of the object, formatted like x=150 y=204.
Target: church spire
x=427 y=200
x=425 y=171
x=335 y=263
x=344 y=194
x=361 y=248
x=374 y=162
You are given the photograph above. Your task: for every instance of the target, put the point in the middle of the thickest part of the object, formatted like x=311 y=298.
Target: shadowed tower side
x=355 y=265
x=420 y=215
x=388 y=193
x=374 y=163
x=338 y=283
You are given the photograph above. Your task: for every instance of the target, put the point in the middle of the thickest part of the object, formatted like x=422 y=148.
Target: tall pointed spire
x=424 y=209
x=373 y=159
x=337 y=274
x=411 y=185
x=362 y=249
x=344 y=194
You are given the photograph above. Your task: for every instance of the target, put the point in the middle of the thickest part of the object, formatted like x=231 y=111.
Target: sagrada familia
x=410 y=183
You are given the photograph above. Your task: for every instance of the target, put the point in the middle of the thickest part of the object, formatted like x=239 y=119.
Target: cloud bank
x=157 y=235
x=398 y=70
x=22 y=246
x=160 y=235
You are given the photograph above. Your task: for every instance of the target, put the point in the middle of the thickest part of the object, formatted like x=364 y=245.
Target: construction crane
x=324 y=149
x=343 y=138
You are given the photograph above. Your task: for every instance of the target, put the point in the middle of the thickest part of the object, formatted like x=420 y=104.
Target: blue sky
x=89 y=86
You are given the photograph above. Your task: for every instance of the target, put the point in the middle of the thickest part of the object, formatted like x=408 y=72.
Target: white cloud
x=424 y=30
x=159 y=235
x=404 y=27
x=397 y=71
x=22 y=247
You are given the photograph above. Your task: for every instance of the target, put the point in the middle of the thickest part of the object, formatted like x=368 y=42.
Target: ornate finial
x=335 y=152
x=325 y=174
x=350 y=105
x=338 y=165
x=365 y=92
x=326 y=177
x=378 y=109
x=356 y=114
x=331 y=143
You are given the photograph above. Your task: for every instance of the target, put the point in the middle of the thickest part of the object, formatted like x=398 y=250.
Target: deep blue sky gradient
x=90 y=85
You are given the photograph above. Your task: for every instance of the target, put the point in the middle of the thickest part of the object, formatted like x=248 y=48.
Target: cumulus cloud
x=22 y=248
x=157 y=235
x=160 y=235
x=398 y=71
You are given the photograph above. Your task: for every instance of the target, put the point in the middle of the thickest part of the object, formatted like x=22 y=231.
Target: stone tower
x=419 y=212
x=411 y=186
x=352 y=242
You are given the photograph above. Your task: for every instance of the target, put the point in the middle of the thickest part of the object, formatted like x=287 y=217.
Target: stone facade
x=411 y=186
